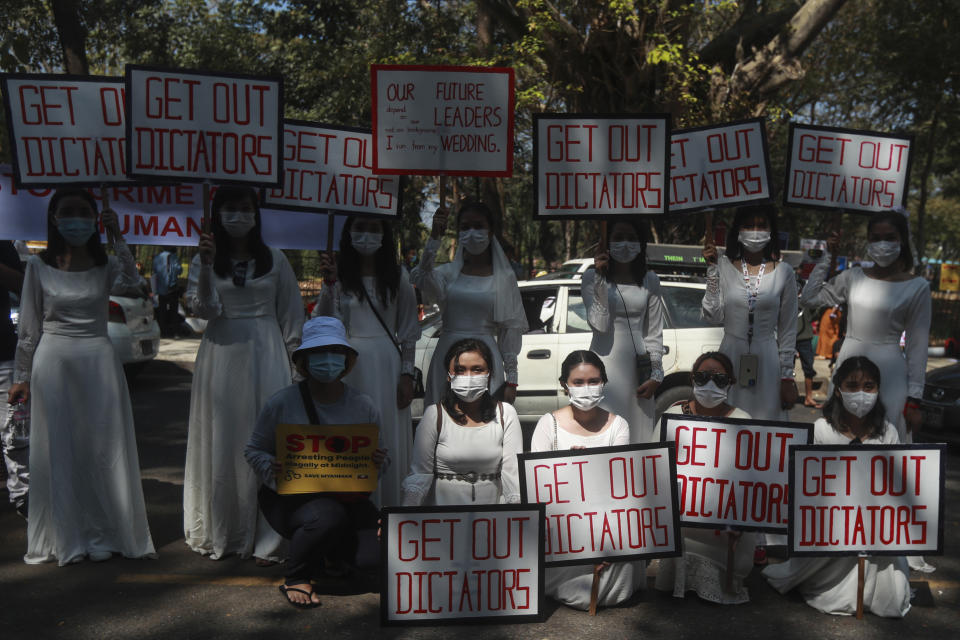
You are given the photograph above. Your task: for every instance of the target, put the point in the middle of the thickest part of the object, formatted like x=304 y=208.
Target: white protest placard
x=462 y=564
x=719 y=166
x=832 y=168
x=442 y=120
x=732 y=472
x=329 y=168
x=193 y=125
x=604 y=503
x=875 y=499
x=586 y=165
x=164 y=214
x=66 y=129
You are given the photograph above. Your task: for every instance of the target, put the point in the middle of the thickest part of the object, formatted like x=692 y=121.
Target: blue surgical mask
x=76 y=231
x=326 y=366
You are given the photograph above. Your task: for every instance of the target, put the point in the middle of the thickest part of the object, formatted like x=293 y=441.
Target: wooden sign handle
x=443 y=191
x=595 y=588
x=205 y=197
x=708 y=229
x=603 y=236
x=731 y=552
x=331 y=221
x=105 y=199
x=861 y=568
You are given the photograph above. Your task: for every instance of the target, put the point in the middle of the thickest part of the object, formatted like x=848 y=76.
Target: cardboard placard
x=598 y=165
x=442 y=120
x=875 y=499
x=324 y=458
x=462 y=564
x=329 y=168
x=66 y=129
x=604 y=503
x=166 y=214
x=949 y=277
x=192 y=126
x=732 y=472
x=847 y=169
x=719 y=166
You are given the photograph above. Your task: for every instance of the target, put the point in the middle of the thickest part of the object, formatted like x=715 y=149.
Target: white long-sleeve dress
x=626 y=320
x=489 y=450
x=85 y=491
x=878 y=312
x=484 y=307
x=379 y=366
x=774 y=331
x=242 y=361
x=572 y=585
x=703 y=566
x=830 y=584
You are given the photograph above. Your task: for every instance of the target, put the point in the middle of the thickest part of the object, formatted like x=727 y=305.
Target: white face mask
x=238 y=223
x=884 y=253
x=754 y=241
x=586 y=397
x=710 y=395
x=859 y=403
x=470 y=388
x=475 y=241
x=365 y=242
x=625 y=251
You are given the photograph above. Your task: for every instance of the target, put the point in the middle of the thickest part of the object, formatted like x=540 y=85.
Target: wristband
x=511 y=384
x=911 y=405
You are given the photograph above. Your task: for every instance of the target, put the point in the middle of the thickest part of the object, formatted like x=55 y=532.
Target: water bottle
x=20 y=422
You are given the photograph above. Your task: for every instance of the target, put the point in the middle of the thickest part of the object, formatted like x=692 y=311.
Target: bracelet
x=511 y=384
x=911 y=405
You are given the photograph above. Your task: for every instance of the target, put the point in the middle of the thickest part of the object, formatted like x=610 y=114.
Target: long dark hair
x=639 y=265
x=734 y=250
x=261 y=252
x=576 y=358
x=387 y=267
x=488 y=404
x=56 y=244
x=833 y=408
x=900 y=222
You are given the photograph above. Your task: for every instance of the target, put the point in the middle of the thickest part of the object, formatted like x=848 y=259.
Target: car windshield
x=683 y=306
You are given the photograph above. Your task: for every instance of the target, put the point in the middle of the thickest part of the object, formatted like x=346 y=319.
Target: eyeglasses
x=701 y=378
x=240 y=274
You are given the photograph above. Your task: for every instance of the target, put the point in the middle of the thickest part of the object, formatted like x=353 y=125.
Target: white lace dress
x=626 y=320
x=703 y=566
x=379 y=367
x=85 y=491
x=489 y=451
x=572 y=585
x=242 y=361
x=830 y=584
x=774 y=331
x=878 y=312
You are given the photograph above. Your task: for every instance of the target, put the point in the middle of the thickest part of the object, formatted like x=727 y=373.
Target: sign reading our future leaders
x=193 y=125
x=832 y=168
x=66 y=129
x=442 y=120
x=591 y=165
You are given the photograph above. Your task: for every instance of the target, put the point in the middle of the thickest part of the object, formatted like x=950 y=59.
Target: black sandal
x=299 y=605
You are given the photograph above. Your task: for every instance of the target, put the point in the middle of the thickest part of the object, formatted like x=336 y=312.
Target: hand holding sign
x=439 y=223
x=328 y=267
x=111 y=222
x=206 y=248
x=601 y=262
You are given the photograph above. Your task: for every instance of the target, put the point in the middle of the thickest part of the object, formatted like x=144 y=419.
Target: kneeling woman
x=465 y=450
x=853 y=415
x=703 y=566
x=581 y=425
x=318 y=525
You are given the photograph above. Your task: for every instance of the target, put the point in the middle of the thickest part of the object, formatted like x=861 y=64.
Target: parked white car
x=558 y=325
x=133 y=330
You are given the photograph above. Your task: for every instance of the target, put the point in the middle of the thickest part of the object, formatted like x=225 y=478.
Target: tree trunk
x=73 y=36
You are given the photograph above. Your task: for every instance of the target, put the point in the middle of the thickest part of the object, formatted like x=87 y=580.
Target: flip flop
x=813 y=405
x=299 y=605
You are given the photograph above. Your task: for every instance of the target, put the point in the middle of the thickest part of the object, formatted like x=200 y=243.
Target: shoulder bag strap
x=308 y=405
x=437 y=442
x=380 y=320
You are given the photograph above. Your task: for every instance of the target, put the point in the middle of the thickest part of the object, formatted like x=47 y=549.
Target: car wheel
x=672 y=396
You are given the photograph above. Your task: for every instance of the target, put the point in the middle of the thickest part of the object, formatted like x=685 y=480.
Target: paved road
x=182 y=595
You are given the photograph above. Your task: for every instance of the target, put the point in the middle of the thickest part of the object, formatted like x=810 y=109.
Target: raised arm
x=653 y=329
x=711 y=308
x=593 y=288
x=820 y=292
x=201 y=296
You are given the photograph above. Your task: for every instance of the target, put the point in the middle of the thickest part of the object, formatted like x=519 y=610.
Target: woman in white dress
x=703 y=566
x=882 y=302
x=625 y=311
x=478 y=297
x=581 y=425
x=754 y=296
x=368 y=291
x=86 y=499
x=854 y=414
x=466 y=446
x=250 y=296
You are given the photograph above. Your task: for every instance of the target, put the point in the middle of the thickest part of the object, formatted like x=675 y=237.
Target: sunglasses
x=701 y=378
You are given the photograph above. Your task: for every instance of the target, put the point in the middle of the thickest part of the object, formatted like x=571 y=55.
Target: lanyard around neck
x=752 y=295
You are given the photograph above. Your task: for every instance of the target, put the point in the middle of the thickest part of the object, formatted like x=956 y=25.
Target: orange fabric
x=829 y=332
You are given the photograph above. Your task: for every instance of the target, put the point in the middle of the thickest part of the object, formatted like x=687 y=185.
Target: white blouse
x=548 y=432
